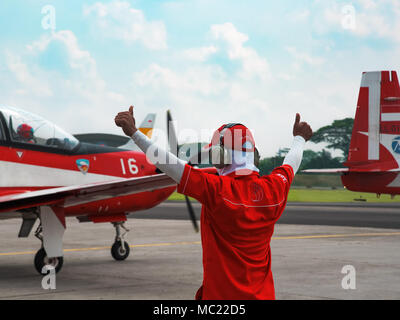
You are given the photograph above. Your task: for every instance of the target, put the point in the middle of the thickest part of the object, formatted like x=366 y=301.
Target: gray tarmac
x=165 y=261
x=370 y=215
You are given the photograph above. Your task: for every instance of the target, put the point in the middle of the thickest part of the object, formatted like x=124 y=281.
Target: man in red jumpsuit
x=239 y=210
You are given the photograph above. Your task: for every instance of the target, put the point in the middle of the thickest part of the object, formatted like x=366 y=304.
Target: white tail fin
x=148 y=124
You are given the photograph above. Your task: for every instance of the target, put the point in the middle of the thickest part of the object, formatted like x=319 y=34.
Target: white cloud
x=202 y=97
x=69 y=98
x=27 y=83
x=200 y=54
x=119 y=20
x=205 y=95
x=368 y=4
x=302 y=57
x=78 y=59
x=252 y=63
x=380 y=18
x=204 y=80
x=299 y=16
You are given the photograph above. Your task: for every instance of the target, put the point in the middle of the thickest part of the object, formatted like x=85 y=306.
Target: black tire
x=119 y=253
x=41 y=260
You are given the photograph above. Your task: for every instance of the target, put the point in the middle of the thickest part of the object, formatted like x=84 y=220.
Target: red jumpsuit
x=237 y=222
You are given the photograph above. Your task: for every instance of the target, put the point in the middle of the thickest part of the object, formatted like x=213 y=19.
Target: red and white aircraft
x=373 y=164
x=47 y=174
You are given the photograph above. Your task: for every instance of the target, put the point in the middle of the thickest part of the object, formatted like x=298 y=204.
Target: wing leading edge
x=339 y=170
x=84 y=193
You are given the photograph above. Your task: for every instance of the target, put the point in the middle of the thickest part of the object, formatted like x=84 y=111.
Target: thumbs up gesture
x=302 y=129
x=126 y=121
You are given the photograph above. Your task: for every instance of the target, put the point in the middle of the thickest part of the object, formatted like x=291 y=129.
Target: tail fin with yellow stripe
x=148 y=124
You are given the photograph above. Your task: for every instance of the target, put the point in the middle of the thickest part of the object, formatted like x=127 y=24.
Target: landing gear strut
x=120 y=249
x=41 y=258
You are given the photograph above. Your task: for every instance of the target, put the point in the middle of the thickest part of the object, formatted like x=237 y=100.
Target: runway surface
x=369 y=215
x=166 y=257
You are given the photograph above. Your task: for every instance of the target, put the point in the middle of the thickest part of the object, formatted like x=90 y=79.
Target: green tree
x=311 y=160
x=266 y=165
x=282 y=152
x=308 y=155
x=319 y=160
x=337 y=135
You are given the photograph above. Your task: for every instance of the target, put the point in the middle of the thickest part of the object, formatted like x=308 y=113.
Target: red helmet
x=25 y=131
x=233 y=136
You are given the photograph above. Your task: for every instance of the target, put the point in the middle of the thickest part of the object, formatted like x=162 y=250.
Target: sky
x=78 y=63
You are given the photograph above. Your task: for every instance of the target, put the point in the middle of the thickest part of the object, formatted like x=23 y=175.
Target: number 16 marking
x=133 y=168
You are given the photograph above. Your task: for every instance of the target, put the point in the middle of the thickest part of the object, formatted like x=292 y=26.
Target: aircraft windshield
x=28 y=128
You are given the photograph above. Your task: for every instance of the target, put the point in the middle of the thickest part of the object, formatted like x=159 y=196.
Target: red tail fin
x=375 y=142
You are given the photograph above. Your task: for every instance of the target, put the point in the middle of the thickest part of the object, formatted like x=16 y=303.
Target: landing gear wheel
x=42 y=260
x=120 y=252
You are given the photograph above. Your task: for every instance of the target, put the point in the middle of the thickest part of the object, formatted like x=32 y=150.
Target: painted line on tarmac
x=324 y=236
x=349 y=235
x=108 y=247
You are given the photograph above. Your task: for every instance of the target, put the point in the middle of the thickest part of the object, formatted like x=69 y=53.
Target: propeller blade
x=173 y=145
x=191 y=214
x=172 y=138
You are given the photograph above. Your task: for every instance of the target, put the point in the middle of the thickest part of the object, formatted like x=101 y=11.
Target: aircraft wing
x=343 y=170
x=66 y=196
x=338 y=170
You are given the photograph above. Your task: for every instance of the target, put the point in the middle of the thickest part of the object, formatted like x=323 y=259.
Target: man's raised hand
x=302 y=129
x=126 y=121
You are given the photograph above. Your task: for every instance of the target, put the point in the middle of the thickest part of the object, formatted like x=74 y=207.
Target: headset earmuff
x=224 y=156
x=219 y=155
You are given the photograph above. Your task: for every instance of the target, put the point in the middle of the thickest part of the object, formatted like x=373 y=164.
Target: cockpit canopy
x=28 y=128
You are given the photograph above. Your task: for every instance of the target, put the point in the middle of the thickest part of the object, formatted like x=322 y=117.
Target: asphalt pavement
x=368 y=215
x=313 y=247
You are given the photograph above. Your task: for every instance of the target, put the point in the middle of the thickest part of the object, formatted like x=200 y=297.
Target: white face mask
x=240 y=161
